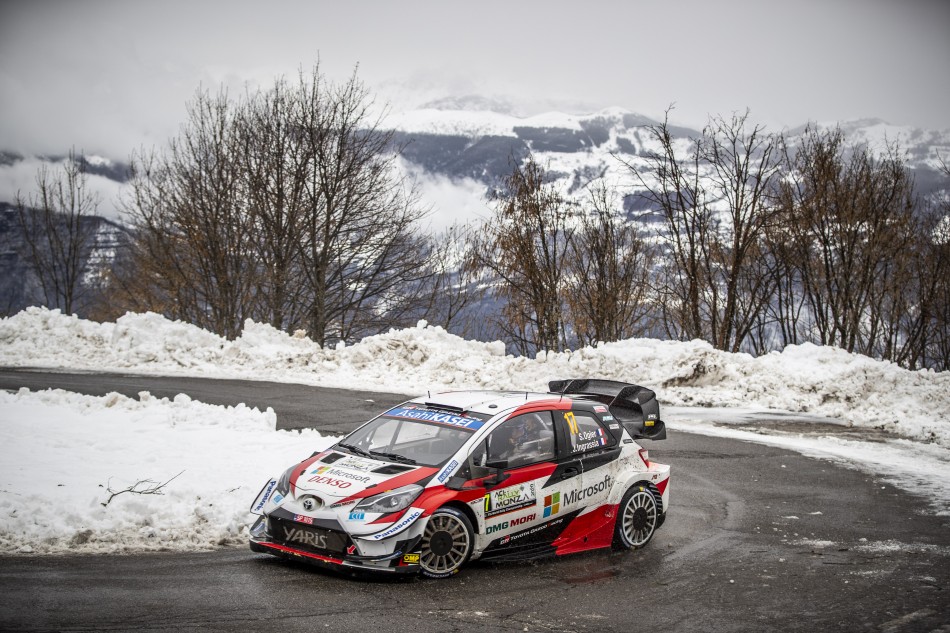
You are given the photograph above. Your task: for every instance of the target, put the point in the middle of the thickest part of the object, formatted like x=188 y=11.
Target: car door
x=589 y=448
x=524 y=447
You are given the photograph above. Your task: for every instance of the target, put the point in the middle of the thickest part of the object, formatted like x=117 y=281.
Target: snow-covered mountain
x=478 y=142
x=474 y=137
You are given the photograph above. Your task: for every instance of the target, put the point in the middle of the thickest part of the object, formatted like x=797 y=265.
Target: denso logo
x=296 y=535
x=330 y=481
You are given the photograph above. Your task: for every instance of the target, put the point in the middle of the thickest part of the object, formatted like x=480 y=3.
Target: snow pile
x=64 y=454
x=821 y=381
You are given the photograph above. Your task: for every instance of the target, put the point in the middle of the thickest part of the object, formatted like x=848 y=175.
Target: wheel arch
x=464 y=509
x=648 y=485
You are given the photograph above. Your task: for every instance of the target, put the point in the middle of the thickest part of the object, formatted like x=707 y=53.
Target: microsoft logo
x=552 y=504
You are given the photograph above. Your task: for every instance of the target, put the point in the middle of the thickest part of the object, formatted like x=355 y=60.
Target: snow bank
x=809 y=379
x=64 y=454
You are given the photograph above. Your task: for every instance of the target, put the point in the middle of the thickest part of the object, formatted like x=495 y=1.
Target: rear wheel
x=446 y=543
x=637 y=519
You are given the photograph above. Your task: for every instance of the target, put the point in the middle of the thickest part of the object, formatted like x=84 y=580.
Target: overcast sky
x=110 y=76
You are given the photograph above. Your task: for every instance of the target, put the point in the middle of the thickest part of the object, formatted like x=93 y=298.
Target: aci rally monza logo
x=509 y=499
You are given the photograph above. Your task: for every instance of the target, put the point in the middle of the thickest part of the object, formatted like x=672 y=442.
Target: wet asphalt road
x=758 y=539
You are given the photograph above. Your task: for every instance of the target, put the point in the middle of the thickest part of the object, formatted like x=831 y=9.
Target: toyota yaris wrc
x=438 y=481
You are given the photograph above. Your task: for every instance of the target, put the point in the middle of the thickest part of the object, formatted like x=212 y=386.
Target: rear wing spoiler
x=635 y=407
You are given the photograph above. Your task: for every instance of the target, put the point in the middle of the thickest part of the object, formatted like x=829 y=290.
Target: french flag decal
x=601 y=436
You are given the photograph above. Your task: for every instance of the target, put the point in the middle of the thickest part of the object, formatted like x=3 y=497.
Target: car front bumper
x=402 y=560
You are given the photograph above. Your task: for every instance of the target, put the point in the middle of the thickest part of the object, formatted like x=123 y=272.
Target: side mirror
x=498 y=473
x=486 y=476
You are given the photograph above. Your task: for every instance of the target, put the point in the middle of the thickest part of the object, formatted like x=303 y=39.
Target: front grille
x=306 y=537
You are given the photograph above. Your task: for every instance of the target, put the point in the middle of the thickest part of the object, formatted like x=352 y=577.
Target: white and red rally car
x=457 y=476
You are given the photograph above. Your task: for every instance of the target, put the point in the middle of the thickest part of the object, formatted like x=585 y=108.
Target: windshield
x=412 y=436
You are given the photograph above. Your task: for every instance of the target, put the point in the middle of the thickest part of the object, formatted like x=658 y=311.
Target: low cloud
x=452 y=200
x=20 y=178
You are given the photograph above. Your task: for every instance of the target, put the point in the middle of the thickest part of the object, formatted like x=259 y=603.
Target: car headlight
x=391 y=501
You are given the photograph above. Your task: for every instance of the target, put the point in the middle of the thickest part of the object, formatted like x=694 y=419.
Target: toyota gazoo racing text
x=438 y=481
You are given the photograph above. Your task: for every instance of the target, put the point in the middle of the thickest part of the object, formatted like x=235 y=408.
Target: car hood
x=336 y=476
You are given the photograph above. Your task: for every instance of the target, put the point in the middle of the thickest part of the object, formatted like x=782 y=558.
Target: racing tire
x=447 y=543
x=637 y=518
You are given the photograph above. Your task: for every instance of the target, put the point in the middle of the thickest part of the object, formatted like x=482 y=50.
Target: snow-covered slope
x=64 y=455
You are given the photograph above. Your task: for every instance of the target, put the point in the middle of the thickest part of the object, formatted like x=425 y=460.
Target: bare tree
x=609 y=266
x=936 y=342
x=910 y=295
x=744 y=170
x=933 y=261
x=716 y=200
x=361 y=240
x=275 y=164
x=283 y=206
x=676 y=189
x=59 y=221
x=193 y=255
x=847 y=229
x=523 y=251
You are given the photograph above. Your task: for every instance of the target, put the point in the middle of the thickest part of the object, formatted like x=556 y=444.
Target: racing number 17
x=571 y=422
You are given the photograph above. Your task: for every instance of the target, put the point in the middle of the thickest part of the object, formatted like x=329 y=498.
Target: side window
x=585 y=433
x=522 y=440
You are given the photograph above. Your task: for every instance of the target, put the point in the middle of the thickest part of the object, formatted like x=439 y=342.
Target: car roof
x=485 y=402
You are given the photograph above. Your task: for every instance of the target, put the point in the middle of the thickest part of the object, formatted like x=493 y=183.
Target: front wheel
x=446 y=543
x=637 y=519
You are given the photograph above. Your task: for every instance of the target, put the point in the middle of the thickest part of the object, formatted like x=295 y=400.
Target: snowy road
x=759 y=538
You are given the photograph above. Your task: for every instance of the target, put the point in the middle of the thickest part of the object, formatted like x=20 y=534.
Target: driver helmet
x=521 y=432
